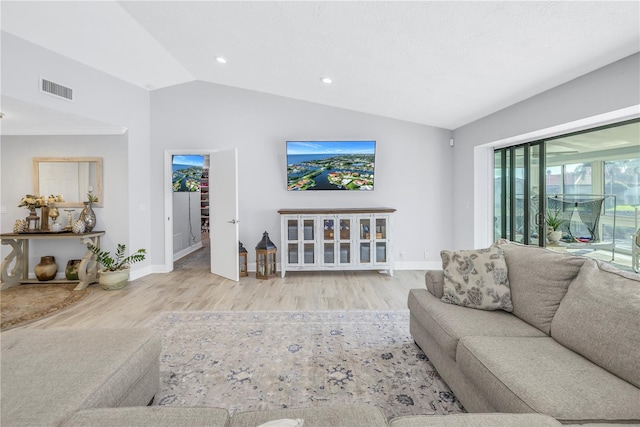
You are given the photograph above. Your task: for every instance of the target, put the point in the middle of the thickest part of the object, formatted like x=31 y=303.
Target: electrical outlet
x=403 y=254
x=426 y=255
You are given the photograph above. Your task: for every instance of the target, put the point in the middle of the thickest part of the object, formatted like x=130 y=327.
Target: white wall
x=98 y=96
x=16 y=165
x=605 y=90
x=186 y=222
x=431 y=184
x=413 y=163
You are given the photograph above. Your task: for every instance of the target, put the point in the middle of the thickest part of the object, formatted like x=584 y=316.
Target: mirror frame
x=98 y=191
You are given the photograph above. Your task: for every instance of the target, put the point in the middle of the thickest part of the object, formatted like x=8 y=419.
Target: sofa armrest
x=435 y=282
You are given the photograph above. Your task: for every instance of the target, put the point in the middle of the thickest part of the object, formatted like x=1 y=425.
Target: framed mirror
x=70 y=177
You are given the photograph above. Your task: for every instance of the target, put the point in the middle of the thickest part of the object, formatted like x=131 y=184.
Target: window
x=577 y=178
x=599 y=161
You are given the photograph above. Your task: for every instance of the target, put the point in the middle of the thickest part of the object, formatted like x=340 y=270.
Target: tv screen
x=187 y=172
x=330 y=165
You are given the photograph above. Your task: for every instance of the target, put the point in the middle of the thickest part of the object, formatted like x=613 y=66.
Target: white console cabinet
x=336 y=239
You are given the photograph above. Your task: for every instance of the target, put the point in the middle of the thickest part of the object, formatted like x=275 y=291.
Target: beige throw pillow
x=476 y=279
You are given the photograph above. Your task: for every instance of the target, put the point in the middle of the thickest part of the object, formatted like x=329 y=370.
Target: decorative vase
x=54 y=213
x=88 y=216
x=71 y=272
x=46 y=269
x=113 y=280
x=79 y=226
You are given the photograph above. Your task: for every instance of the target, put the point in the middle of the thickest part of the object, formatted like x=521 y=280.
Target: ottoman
x=49 y=374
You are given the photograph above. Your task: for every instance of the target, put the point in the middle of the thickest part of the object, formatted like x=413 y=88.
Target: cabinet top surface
x=50 y=235
x=325 y=211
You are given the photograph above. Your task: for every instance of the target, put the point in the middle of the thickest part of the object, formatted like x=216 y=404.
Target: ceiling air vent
x=56 y=89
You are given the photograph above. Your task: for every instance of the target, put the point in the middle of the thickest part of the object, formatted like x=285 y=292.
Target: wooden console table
x=19 y=258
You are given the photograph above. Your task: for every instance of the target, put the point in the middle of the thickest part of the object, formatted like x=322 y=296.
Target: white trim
x=483 y=188
x=66 y=131
x=418 y=265
x=183 y=253
x=141 y=272
x=483 y=164
x=575 y=126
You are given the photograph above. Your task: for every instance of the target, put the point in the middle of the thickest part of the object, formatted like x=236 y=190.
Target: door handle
x=233 y=221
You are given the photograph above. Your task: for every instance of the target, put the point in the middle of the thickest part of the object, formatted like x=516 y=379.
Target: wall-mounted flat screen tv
x=330 y=165
x=187 y=172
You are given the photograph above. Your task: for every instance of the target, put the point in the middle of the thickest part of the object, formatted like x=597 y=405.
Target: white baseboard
x=418 y=265
x=141 y=272
x=183 y=253
x=407 y=265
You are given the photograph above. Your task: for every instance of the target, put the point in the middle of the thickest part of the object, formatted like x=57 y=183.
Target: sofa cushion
x=49 y=374
x=476 y=279
x=157 y=416
x=538 y=279
x=540 y=375
x=434 y=279
x=447 y=323
x=600 y=319
x=475 y=420
x=356 y=415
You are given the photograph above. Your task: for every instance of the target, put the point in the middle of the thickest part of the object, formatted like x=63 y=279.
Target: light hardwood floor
x=192 y=287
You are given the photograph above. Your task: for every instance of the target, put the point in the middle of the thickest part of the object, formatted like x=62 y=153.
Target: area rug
x=23 y=304
x=245 y=361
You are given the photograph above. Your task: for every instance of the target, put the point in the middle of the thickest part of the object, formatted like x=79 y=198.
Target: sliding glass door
x=603 y=161
x=518 y=202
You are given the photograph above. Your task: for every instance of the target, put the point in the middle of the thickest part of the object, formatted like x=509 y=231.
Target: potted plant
x=114 y=273
x=554 y=221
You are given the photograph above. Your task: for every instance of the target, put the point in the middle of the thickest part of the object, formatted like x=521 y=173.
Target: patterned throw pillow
x=476 y=279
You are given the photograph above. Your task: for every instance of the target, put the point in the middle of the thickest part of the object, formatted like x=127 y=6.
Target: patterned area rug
x=264 y=360
x=25 y=304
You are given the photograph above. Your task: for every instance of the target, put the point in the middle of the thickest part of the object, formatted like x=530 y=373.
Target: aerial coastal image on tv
x=330 y=165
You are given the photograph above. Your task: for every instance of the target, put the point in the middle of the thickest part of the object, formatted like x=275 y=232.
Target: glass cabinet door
x=292 y=241
x=300 y=245
x=380 y=241
x=336 y=241
x=364 y=238
x=309 y=236
x=328 y=241
x=344 y=242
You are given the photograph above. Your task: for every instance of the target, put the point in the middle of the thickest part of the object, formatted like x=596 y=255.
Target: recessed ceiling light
x=326 y=80
x=221 y=60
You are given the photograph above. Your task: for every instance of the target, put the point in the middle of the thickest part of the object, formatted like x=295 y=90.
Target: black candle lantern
x=242 y=259
x=265 y=258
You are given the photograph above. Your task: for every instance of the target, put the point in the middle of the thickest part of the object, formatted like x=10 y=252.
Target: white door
x=223 y=202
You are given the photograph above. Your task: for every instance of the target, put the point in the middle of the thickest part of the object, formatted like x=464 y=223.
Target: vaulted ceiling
x=440 y=63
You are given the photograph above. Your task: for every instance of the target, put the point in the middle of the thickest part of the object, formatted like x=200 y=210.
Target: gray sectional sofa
x=570 y=348
x=357 y=415
x=65 y=377
x=47 y=375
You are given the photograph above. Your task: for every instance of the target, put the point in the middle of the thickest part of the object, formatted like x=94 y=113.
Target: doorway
x=583 y=167
x=189 y=183
x=223 y=209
